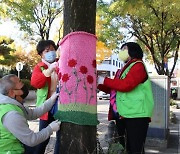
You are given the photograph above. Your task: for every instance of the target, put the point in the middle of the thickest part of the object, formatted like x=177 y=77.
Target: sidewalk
x=101 y=129
x=173 y=146
x=102 y=109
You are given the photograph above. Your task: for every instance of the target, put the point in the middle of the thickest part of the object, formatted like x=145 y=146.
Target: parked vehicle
x=102 y=95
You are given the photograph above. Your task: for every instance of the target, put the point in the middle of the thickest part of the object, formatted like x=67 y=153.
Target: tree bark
x=79 y=15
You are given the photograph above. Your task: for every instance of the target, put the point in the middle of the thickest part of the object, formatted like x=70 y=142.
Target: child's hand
x=53 y=66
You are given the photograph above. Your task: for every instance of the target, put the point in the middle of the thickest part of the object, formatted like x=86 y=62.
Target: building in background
x=109 y=66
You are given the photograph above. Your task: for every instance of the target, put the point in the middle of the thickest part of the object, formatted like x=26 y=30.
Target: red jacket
x=135 y=76
x=39 y=80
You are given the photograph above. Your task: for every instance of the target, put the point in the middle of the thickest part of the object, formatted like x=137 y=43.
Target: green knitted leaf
x=80 y=118
x=78 y=107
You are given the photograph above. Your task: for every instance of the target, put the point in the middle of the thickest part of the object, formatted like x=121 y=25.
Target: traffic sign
x=19 y=66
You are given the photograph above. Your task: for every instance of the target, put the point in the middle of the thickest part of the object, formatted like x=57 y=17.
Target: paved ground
x=150 y=148
x=102 y=108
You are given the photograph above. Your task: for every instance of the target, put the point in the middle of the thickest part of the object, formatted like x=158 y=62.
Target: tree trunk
x=79 y=15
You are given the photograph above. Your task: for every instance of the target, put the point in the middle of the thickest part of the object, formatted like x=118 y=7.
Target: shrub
x=27 y=83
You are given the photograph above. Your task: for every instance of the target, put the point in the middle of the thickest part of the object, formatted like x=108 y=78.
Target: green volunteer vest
x=9 y=144
x=136 y=103
x=42 y=94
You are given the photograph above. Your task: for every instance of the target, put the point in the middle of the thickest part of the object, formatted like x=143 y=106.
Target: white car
x=102 y=95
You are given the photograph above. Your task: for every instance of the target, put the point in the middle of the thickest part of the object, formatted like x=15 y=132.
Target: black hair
x=134 y=50
x=43 y=44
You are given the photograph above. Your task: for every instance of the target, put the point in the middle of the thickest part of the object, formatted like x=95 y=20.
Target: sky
x=10 y=29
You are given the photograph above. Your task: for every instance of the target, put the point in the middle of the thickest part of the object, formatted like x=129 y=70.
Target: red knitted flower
x=59 y=75
x=57 y=70
x=72 y=63
x=94 y=63
x=65 y=77
x=90 y=79
x=83 y=69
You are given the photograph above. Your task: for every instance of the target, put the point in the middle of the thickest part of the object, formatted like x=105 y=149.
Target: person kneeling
x=14 y=129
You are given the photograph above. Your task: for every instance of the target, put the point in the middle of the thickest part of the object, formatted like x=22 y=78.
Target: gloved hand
x=53 y=66
x=54 y=96
x=100 y=80
x=55 y=125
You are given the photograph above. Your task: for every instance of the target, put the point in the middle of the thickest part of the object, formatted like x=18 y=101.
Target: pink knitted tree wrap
x=77 y=75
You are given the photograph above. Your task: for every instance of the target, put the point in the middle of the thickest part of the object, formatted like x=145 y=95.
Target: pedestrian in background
x=15 y=135
x=174 y=93
x=134 y=97
x=44 y=79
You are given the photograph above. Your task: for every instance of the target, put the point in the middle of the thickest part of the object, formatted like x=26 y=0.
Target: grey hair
x=6 y=84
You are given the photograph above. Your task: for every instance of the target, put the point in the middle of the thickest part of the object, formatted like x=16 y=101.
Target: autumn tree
x=10 y=54
x=154 y=23
x=107 y=30
x=102 y=49
x=30 y=58
x=102 y=52
x=35 y=17
x=6 y=51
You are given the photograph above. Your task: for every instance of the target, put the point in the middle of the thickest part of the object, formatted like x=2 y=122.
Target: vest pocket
x=41 y=97
x=131 y=108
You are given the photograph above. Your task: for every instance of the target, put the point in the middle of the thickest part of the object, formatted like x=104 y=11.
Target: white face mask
x=50 y=56
x=123 y=55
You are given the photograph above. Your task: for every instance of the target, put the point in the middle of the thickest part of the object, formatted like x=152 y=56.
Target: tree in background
x=154 y=23
x=102 y=49
x=6 y=51
x=31 y=58
x=102 y=52
x=107 y=30
x=24 y=74
x=10 y=54
x=35 y=16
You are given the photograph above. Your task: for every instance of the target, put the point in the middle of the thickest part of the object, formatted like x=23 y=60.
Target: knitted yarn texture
x=77 y=79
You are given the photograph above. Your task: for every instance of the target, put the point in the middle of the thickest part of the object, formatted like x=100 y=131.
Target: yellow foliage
x=99 y=23
x=1 y=57
x=59 y=32
x=102 y=52
x=31 y=58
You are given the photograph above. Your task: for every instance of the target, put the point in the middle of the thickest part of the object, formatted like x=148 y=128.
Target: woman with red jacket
x=44 y=79
x=133 y=97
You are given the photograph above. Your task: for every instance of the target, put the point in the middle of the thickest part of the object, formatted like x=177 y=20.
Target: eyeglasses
x=17 y=89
